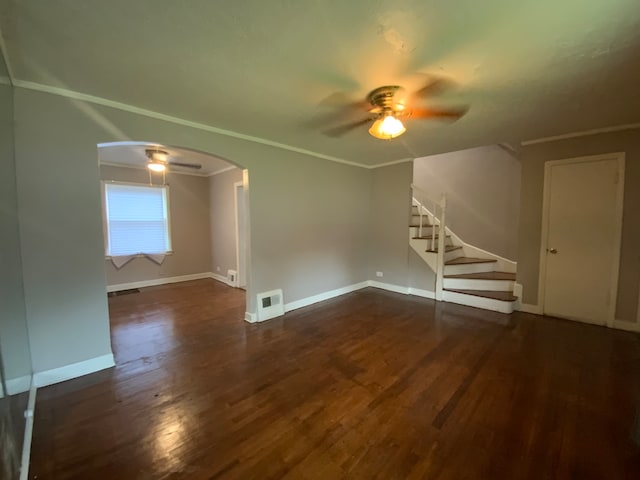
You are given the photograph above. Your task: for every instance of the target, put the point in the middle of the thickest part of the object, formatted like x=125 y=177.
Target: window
x=136 y=218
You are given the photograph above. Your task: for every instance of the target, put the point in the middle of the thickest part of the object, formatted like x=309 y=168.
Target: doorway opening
x=172 y=214
x=581 y=237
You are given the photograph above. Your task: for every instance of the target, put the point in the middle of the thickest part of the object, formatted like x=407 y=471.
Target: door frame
x=241 y=280
x=546 y=204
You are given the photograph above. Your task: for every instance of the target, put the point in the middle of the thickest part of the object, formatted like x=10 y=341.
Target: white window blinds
x=137 y=219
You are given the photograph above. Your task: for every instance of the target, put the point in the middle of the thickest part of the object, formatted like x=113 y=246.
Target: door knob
x=552 y=250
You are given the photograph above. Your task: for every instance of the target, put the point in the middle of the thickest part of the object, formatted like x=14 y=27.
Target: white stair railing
x=435 y=212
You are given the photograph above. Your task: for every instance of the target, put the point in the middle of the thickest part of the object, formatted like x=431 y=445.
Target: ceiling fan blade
x=435 y=86
x=342 y=100
x=451 y=114
x=195 y=166
x=342 y=129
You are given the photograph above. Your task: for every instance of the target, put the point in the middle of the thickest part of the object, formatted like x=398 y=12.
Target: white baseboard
x=61 y=374
x=628 y=326
x=304 y=302
x=390 y=287
x=422 y=293
x=158 y=281
x=221 y=278
x=250 y=317
x=28 y=433
x=529 y=308
x=18 y=385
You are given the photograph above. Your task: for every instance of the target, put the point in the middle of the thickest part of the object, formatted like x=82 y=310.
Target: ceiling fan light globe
x=387 y=128
x=156 y=167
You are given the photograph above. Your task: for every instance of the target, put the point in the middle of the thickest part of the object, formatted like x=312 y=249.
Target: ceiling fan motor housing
x=383 y=98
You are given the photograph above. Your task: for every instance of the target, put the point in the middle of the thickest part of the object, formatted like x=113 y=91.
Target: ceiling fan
x=159 y=160
x=388 y=105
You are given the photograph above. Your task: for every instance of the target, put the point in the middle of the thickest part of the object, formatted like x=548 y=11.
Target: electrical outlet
x=218 y=268
x=379 y=274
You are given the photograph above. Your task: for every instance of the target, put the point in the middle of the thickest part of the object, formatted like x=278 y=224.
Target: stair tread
x=467 y=260
x=428 y=237
x=447 y=248
x=424 y=225
x=485 y=276
x=504 y=296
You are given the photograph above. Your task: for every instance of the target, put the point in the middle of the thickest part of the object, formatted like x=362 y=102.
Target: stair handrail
x=438 y=229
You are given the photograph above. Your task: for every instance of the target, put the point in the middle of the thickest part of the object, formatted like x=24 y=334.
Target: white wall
x=14 y=346
x=223 y=220
x=483 y=193
x=390 y=214
x=308 y=218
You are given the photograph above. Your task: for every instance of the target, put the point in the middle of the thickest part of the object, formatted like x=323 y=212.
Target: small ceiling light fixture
x=387 y=127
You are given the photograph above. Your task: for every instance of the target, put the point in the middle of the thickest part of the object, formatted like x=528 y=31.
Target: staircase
x=464 y=274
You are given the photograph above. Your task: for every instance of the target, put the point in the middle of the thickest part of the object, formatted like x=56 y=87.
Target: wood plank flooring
x=369 y=385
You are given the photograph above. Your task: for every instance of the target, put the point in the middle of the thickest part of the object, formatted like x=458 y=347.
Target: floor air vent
x=270 y=305
x=123 y=292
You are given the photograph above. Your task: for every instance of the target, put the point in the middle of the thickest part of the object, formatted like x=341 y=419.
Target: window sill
x=140 y=255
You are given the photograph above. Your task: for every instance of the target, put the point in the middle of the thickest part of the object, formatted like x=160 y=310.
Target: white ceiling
x=528 y=68
x=132 y=154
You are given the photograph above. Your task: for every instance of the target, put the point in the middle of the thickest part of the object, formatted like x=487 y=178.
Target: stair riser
x=477 y=284
x=479 y=302
x=469 y=268
x=451 y=255
x=426 y=231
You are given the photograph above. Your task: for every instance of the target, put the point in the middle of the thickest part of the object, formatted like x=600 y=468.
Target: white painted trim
x=627 y=326
x=62 y=92
x=422 y=293
x=529 y=308
x=218 y=172
x=584 y=133
x=517 y=290
x=478 y=302
x=478 y=284
x=390 y=287
x=159 y=281
x=221 y=278
x=28 y=433
x=250 y=317
x=320 y=297
x=542 y=271
x=240 y=276
x=388 y=164
x=75 y=370
x=18 y=385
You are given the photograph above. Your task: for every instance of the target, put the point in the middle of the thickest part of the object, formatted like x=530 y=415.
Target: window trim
x=105 y=223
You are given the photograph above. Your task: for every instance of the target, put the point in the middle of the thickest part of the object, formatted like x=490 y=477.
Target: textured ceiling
x=528 y=69
x=133 y=154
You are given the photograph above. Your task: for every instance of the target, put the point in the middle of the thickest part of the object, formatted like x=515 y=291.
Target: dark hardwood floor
x=368 y=385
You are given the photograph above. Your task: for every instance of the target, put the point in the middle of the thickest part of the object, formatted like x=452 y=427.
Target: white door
x=241 y=228
x=580 y=254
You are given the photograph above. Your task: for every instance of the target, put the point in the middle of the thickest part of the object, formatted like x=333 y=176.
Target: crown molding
x=584 y=133
x=388 y=164
x=63 y=92
x=218 y=172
